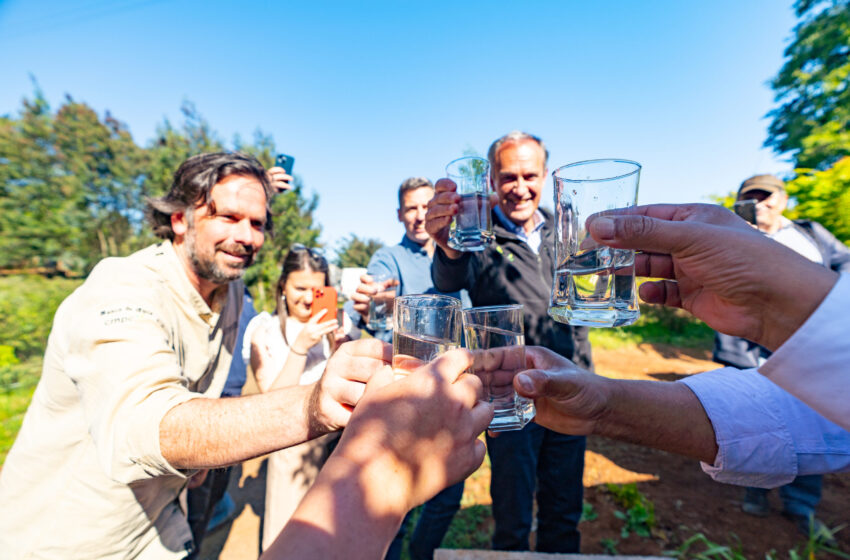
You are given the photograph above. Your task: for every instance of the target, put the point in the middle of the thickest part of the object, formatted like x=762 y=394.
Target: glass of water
x=382 y=301
x=471 y=228
x=495 y=336
x=594 y=285
x=424 y=326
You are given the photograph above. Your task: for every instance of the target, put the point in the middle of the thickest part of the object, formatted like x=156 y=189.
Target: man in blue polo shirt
x=409 y=263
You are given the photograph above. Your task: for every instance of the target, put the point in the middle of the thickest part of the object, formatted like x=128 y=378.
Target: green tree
x=100 y=162
x=172 y=145
x=824 y=196
x=812 y=121
x=73 y=187
x=30 y=200
x=69 y=187
x=356 y=252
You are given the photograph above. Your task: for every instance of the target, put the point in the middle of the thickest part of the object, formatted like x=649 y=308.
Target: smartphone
x=747 y=209
x=284 y=161
x=324 y=298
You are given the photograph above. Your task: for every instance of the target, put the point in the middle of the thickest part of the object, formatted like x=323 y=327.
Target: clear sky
x=365 y=94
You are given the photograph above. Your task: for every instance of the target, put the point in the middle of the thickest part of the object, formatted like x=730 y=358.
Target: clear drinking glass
x=471 y=228
x=496 y=338
x=381 y=302
x=594 y=285
x=424 y=326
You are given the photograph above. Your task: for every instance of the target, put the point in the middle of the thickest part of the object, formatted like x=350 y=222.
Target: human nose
x=420 y=213
x=244 y=233
x=308 y=297
x=521 y=187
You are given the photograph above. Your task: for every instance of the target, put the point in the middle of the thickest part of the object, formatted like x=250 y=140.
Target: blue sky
x=366 y=94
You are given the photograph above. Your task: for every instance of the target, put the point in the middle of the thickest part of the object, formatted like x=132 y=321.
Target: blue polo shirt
x=409 y=262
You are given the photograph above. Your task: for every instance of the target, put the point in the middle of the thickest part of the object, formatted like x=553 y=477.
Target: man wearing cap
x=814 y=242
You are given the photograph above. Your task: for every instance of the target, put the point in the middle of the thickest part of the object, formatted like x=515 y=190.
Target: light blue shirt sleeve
x=382 y=262
x=765 y=436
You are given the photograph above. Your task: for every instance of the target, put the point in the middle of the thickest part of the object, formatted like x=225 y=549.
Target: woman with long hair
x=292 y=348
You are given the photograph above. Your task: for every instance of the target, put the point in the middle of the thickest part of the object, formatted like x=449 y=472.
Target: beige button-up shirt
x=86 y=478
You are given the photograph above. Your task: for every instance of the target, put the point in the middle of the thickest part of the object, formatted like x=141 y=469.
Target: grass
x=14 y=399
x=656 y=325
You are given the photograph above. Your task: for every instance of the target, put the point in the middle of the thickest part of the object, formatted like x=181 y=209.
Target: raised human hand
x=420 y=432
x=344 y=381
x=313 y=331
x=280 y=180
x=567 y=398
x=714 y=265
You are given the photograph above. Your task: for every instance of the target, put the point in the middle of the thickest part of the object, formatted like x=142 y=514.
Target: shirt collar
x=506 y=223
x=412 y=246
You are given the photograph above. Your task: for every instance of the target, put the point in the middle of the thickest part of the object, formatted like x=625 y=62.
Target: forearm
x=345 y=506
x=666 y=416
x=209 y=433
x=291 y=372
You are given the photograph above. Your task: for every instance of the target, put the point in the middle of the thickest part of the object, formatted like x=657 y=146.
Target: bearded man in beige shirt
x=126 y=409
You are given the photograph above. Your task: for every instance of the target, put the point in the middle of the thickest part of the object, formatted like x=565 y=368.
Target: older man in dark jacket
x=517 y=268
x=813 y=241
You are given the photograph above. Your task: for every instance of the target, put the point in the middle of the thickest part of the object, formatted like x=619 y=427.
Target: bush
x=7 y=356
x=27 y=306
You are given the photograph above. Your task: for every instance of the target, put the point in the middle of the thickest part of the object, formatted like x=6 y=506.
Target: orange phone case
x=324 y=298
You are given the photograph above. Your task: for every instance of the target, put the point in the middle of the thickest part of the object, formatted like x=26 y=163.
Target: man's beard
x=206 y=267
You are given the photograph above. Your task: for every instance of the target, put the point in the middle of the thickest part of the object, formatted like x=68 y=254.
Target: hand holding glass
x=471 y=229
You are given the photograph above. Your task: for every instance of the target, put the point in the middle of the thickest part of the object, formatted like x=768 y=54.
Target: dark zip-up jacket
x=509 y=272
x=743 y=354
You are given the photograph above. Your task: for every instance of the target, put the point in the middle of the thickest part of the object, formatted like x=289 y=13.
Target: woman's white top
x=265 y=329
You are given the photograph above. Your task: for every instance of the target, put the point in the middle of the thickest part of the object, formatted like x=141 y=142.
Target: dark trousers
x=800 y=496
x=552 y=463
x=434 y=521
x=201 y=501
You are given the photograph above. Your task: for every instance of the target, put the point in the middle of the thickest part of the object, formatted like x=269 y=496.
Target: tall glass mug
x=496 y=338
x=471 y=228
x=424 y=326
x=594 y=285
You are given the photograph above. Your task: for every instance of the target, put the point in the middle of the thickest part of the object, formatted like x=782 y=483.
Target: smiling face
x=518 y=177
x=298 y=291
x=217 y=242
x=414 y=205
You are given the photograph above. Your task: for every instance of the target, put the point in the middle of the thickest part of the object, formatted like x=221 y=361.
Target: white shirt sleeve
x=814 y=364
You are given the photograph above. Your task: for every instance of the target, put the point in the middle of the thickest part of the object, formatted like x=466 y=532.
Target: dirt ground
x=686 y=500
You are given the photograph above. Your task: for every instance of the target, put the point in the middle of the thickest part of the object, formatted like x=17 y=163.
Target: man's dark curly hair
x=193 y=183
